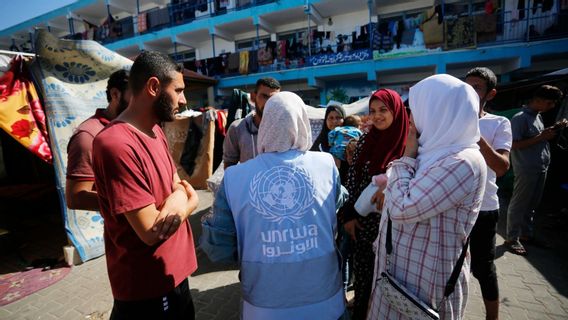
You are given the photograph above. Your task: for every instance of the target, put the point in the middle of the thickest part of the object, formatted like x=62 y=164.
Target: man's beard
x=164 y=108
x=122 y=105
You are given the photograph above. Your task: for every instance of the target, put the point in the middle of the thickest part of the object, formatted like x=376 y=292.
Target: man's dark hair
x=486 y=74
x=118 y=80
x=548 y=92
x=152 y=64
x=267 y=82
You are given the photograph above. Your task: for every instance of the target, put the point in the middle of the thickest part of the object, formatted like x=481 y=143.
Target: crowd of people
x=287 y=208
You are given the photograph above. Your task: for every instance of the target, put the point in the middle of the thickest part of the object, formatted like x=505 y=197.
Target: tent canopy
x=360 y=107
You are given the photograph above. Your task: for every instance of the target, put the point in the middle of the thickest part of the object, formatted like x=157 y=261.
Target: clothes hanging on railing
x=253 y=61
x=127 y=26
x=234 y=62
x=158 y=18
x=374 y=35
x=243 y=62
x=142 y=22
x=224 y=63
x=202 y=5
x=90 y=29
x=281 y=50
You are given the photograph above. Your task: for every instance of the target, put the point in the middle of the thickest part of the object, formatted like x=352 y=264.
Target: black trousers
x=364 y=263
x=177 y=304
x=482 y=249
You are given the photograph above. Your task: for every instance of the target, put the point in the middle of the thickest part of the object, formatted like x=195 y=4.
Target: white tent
x=359 y=107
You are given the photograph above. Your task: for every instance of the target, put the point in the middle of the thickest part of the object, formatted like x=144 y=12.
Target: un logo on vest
x=282 y=193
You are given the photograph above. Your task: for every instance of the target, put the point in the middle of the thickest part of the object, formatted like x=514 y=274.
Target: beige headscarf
x=285 y=124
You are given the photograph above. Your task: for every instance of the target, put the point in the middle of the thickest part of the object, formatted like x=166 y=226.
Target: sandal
x=530 y=241
x=516 y=247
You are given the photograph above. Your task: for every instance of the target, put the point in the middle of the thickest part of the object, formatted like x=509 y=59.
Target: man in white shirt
x=495 y=145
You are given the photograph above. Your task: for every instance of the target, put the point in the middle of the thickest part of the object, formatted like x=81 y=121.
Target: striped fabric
x=432 y=214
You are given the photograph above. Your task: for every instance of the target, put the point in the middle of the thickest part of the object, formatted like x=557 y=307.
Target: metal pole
x=527 y=16
x=309 y=36
x=444 y=21
x=213 y=43
x=26 y=54
x=137 y=17
x=369 y=4
x=257 y=37
x=71 y=27
x=32 y=41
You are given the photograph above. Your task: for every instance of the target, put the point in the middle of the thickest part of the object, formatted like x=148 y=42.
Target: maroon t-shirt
x=132 y=171
x=80 y=147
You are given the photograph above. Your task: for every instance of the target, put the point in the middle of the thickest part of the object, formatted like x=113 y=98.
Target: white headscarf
x=446 y=115
x=285 y=124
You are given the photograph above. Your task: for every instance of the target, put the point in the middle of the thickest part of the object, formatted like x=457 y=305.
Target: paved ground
x=532 y=287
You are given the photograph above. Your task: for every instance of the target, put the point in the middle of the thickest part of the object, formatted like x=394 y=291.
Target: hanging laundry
x=234 y=62
x=265 y=56
x=488 y=7
x=243 y=62
x=253 y=61
x=201 y=5
x=374 y=35
x=224 y=63
x=89 y=32
x=281 y=50
x=142 y=22
x=21 y=114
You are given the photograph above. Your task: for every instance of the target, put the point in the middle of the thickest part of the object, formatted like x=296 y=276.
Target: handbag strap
x=451 y=284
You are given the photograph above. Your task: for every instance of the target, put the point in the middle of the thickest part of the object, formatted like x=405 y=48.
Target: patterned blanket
x=21 y=114
x=73 y=77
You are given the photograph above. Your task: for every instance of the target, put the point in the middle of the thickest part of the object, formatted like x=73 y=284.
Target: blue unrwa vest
x=283 y=205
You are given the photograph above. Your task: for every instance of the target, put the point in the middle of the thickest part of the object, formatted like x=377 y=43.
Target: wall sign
x=341 y=57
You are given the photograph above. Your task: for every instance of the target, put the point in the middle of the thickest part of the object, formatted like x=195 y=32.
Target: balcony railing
x=177 y=13
x=455 y=33
x=504 y=27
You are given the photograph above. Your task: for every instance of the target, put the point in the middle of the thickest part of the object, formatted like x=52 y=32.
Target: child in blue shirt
x=340 y=136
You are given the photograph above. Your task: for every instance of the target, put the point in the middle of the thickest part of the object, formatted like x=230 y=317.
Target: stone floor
x=532 y=287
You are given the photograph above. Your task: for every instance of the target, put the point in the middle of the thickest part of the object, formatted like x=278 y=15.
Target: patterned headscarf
x=285 y=124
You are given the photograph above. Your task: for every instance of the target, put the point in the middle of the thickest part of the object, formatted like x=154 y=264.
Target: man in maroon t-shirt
x=148 y=241
x=79 y=189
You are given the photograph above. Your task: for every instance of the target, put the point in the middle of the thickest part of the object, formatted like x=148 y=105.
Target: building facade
x=322 y=49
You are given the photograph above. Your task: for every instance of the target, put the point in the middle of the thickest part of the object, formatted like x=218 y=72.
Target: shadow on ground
x=207 y=303
x=549 y=252
x=205 y=265
x=34 y=232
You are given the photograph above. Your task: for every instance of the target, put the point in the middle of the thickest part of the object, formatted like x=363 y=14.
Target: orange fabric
x=21 y=114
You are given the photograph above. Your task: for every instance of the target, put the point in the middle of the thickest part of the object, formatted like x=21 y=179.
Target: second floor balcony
x=416 y=34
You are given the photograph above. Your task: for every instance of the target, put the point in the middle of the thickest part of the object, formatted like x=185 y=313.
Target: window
x=249 y=44
x=184 y=56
